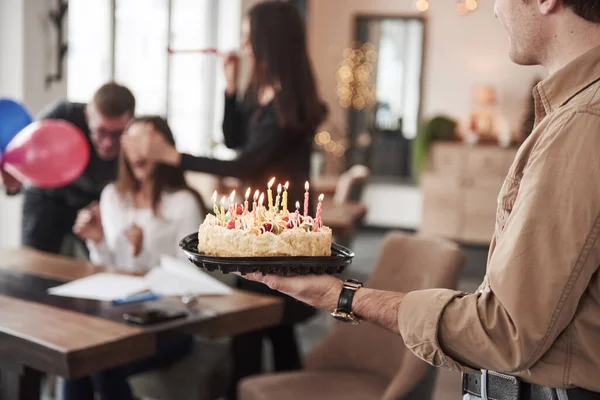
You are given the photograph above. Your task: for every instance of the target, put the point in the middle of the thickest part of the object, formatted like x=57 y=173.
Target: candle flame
x=223 y=200
x=247 y=193
x=297 y=205
x=306 y=186
x=261 y=199
x=286 y=186
x=214 y=197
x=271 y=182
x=279 y=188
x=232 y=196
x=321 y=197
x=256 y=195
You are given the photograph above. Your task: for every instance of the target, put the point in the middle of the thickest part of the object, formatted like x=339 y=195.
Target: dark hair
x=586 y=9
x=166 y=177
x=278 y=40
x=113 y=100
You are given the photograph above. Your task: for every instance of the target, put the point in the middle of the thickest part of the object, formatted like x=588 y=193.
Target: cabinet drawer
x=441 y=206
x=489 y=162
x=447 y=158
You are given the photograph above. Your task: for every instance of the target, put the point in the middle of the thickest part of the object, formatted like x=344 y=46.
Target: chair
x=351 y=184
x=366 y=362
x=202 y=375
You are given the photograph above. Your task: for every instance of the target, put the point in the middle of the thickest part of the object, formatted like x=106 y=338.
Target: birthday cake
x=261 y=231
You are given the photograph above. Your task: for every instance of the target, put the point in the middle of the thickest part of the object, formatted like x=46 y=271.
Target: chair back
x=406 y=263
x=351 y=184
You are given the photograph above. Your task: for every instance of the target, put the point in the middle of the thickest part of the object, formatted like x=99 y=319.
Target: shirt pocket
x=506 y=201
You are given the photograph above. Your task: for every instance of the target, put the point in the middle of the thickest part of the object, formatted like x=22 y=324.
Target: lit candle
x=215 y=208
x=278 y=198
x=284 y=208
x=269 y=193
x=261 y=200
x=254 y=203
x=246 y=201
x=319 y=210
x=232 y=206
x=306 y=186
x=223 y=210
x=297 y=213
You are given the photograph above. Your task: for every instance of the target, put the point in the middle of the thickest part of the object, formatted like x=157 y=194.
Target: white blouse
x=179 y=215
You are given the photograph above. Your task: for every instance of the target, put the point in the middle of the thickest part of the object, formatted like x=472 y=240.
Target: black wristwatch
x=343 y=312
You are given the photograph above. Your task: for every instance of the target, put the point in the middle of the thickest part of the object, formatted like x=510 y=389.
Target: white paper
x=101 y=286
x=175 y=277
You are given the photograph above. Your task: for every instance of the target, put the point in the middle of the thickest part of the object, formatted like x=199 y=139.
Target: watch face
x=345 y=317
x=352 y=284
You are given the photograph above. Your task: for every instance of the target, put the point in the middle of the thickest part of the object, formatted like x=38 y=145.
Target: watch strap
x=347 y=295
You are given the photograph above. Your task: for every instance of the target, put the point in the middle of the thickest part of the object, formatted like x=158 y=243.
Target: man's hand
x=88 y=225
x=11 y=184
x=152 y=146
x=323 y=291
x=135 y=235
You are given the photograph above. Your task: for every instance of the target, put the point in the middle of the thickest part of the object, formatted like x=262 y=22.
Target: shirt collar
x=566 y=83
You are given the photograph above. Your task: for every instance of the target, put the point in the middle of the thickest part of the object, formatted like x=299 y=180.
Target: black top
x=266 y=151
x=97 y=174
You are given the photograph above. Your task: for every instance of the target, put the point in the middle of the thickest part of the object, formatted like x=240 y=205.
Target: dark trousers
x=46 y=222
x=112 y=384
x=247 y=352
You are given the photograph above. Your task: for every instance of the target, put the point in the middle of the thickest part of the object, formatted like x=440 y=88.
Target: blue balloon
x=13 y=118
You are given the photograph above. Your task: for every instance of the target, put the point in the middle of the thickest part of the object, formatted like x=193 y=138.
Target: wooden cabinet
x=460 y=190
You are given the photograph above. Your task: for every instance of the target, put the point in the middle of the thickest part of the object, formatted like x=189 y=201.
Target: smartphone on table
x=153 y=316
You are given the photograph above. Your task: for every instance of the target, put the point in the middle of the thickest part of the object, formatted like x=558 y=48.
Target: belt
x=497 y=386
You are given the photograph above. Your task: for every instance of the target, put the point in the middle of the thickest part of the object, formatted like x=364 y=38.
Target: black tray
x=340 y=258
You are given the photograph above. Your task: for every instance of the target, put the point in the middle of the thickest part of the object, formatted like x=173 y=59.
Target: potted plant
x=439 y=127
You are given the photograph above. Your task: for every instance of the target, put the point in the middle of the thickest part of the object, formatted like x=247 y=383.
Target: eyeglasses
x=103 y=134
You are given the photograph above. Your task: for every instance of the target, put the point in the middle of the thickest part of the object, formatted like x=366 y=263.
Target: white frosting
x=217 y=240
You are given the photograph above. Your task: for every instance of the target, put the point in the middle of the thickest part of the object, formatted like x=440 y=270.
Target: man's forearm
x=378 y=306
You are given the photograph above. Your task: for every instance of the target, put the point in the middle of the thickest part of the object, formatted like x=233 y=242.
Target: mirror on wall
x=388 y=79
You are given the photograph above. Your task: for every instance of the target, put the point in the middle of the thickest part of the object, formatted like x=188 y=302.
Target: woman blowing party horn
x=273 y=128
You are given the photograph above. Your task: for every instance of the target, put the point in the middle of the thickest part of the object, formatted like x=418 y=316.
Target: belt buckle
x=484 y=384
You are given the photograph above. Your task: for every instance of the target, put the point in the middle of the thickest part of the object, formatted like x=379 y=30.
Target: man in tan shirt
x=537 y=315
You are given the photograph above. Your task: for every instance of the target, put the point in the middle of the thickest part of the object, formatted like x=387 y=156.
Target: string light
x=354 y=77
x=422 y=5
x=330 y=146
x=471 y=5
x=339 y=150
x=463 y=7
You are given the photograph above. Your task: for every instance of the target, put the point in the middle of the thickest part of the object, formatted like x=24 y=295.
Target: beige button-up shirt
x=537 y=315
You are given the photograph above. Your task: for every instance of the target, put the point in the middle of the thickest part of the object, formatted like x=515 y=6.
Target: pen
x=146 y=296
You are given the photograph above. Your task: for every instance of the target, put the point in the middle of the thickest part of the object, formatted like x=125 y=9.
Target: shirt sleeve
x=542 y=264
x=188 y=219
x=58 y=110
x=101 y=253
x=255 y=157
x=234 y=122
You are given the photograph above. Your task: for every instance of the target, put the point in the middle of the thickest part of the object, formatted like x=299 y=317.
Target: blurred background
x=426 y=111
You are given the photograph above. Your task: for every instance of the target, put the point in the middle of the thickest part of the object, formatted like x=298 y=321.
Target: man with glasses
x=49 y=214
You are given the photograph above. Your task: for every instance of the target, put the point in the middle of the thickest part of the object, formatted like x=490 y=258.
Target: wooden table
x=76 y=337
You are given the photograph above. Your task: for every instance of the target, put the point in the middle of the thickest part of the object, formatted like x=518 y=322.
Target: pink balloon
x=47 y=154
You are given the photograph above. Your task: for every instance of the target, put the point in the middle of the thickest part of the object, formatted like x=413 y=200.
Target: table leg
x=19 y=383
